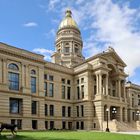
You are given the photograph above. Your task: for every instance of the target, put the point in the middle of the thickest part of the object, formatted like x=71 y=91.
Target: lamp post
x=114 y=111
x=107 y=128
x=138 y=114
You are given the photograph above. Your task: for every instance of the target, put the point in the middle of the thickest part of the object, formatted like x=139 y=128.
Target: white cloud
x=111 y=23
x=51 y=33
x=30 y=24
x=52 y=3
x=106 y=22
x=47 y=53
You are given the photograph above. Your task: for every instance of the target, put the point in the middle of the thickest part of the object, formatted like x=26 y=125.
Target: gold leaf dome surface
x=68 y=21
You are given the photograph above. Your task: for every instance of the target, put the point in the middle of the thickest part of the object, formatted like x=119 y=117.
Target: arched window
x=13 y=77
x=13 y=66
x=33 y=72
x=33 y=81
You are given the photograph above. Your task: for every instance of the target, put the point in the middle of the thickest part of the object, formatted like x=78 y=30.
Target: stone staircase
x=116 y=126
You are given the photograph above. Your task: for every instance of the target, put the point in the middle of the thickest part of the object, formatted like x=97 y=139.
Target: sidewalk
x=131 y=133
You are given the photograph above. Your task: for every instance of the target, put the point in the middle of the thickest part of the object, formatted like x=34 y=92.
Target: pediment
x=114 y=58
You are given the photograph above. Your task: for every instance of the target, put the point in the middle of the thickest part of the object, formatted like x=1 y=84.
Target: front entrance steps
x=116 y=126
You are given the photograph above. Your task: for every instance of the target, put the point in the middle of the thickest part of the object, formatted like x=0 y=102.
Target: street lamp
x=114 y=111
x=138 y=114
x=107 y=128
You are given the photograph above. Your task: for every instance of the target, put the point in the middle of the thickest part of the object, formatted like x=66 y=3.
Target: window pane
x=33 y=72
x=13 y=79
x=63 y=111
x=50 y=78
x=33 y=84
x=68 y=93
x=63 y=92
x=46 y=109
x=45 y=88
x=15 y=105
x=51 y=110
x=51 y=89
x=34 y=107
x=69 y=111
x=13 y=67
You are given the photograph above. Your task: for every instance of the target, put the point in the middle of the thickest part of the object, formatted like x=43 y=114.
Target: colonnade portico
x=101 y=84
x=104 y=85
x=120 y=113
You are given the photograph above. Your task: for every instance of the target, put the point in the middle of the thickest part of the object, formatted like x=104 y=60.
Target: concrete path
x=131 y=133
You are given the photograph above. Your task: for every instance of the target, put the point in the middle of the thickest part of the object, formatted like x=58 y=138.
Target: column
x=100 y=83
x=4 y=69
x=106 y=84
x=117 y=94
x=23 y=76
x=126 y=115
x=121 y=114
x=97 y=84
x=124 y=91
x=27 y=79
x=119 y=88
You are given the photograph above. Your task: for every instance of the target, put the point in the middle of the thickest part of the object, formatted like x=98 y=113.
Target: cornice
x=20 y=53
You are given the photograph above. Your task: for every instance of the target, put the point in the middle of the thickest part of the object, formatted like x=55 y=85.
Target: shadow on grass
x=20 y=137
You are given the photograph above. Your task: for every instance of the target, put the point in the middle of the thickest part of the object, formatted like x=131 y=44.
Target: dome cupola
x=68 y=21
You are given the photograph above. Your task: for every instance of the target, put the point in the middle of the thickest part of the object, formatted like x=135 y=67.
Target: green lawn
x=73 y=135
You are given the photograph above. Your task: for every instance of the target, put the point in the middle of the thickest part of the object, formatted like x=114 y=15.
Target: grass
x=71 y=135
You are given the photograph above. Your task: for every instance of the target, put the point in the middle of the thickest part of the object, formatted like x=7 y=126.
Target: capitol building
x=70 y=92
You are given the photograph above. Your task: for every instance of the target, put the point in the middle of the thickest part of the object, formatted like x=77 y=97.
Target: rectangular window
x=45 y=76
x=69 y=111
x=82 y=80
x=34 y=107
x=63 y=111
x=45 y=88
x=68 y=82
x=13 y=79
x=46 y=109
x=67 y=49
x=50 y=78
x=51 y=125
x=70 y=125
x=94 y=125
x=13 y=121
x=63 y=80
x=82 y=110
x=63 y=92
x=82 y=125
x=51 y=89
x=138 y=101
x=133 y=116
x=34 y=124
x=63 y=125
x=78 y=81
x=19 y=124
x=68 y=92
x=82 y=90
x=78 y=92
x=15 y=106
x=114 y=92
x=51 y=110
x=94 y=111
x=77 y=125
x=46 y=124
x=33 y=84
x=77 y=107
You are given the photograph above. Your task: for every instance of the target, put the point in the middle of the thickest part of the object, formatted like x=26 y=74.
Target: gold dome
x=68 y=21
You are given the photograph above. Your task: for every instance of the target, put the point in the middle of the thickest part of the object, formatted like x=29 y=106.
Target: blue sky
x=32 y=24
